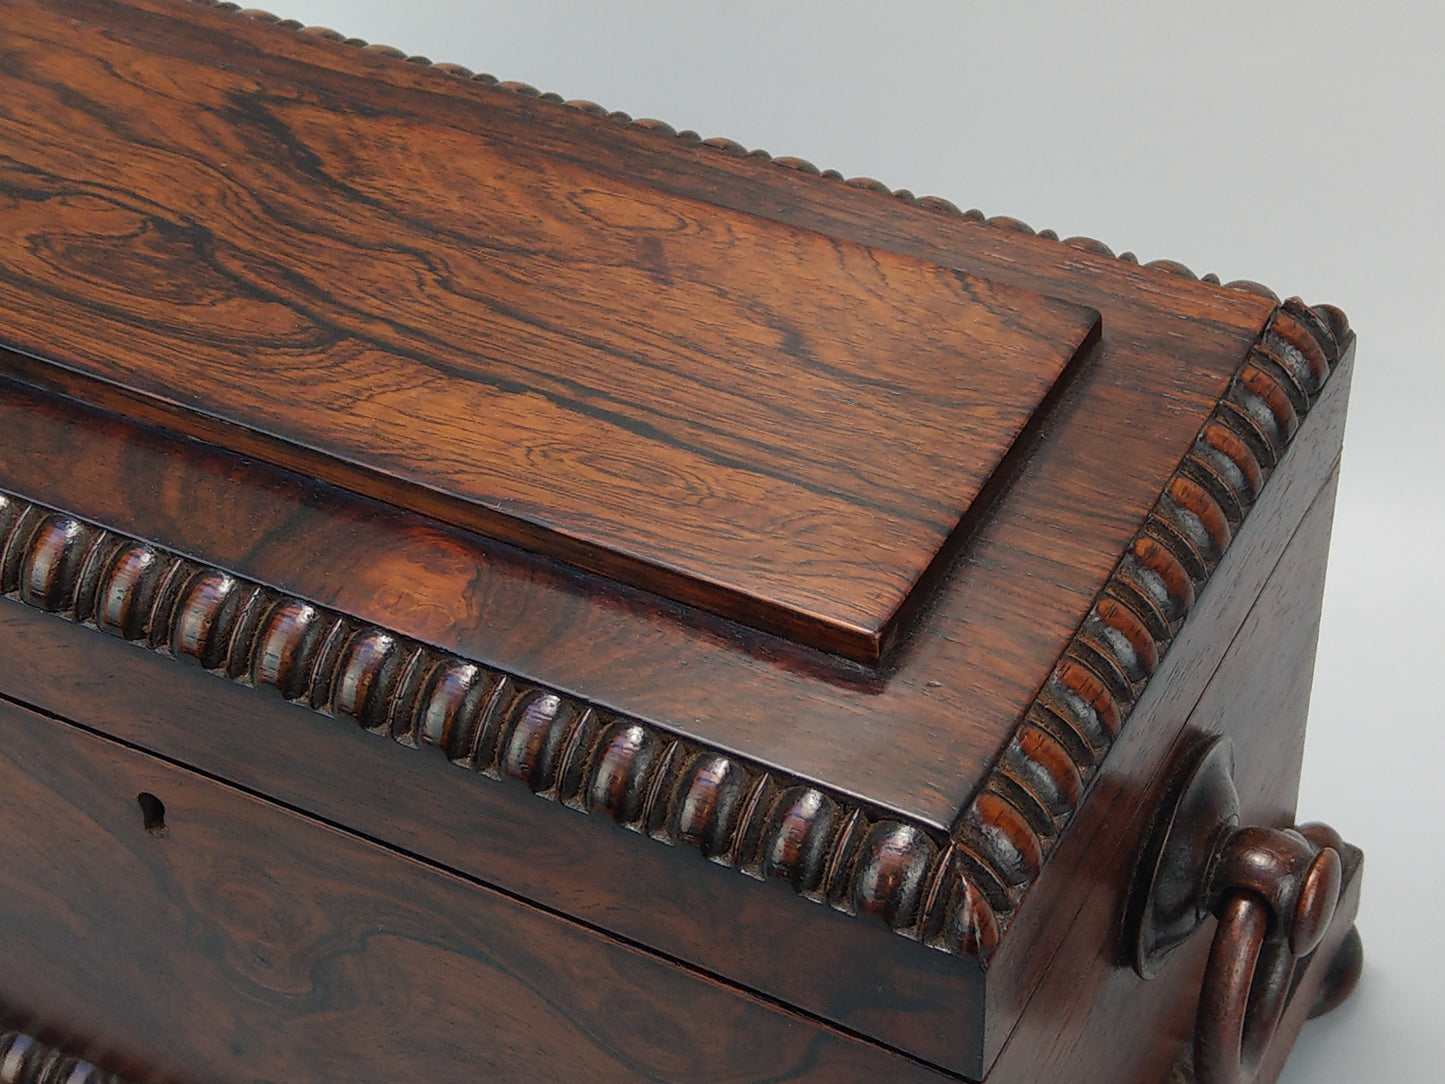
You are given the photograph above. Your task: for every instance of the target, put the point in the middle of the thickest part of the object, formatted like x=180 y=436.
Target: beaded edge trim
x=1015 y=820
x=954 y=893
x=24 y=1060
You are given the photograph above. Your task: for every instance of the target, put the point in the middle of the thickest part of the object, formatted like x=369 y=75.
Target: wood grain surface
x=915 y=764
x=687 y=908
x=1085 y=1003
x=1266 y=592
x=913 y=737
x=670 y=899
x=244 y=942
x=738 y=413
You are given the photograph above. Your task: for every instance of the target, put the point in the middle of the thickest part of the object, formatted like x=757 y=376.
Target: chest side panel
x=232 y=940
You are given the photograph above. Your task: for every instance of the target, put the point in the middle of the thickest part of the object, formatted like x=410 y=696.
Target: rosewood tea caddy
x=496 y=589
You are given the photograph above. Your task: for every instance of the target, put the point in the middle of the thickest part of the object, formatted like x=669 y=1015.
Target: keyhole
x=154 y=812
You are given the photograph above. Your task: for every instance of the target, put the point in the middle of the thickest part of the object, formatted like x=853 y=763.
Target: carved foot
x=1342 y=975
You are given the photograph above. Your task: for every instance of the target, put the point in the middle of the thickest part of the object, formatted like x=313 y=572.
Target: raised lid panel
x=740 y=414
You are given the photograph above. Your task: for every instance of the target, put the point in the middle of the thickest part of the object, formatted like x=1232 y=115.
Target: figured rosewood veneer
x=778 y=425
x=954 y=896
x=834 y=536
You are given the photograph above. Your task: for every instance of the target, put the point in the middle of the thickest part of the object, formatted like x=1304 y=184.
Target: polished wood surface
x=1272 y=577
x=669 y=899
x=775 y=424
x=912 y=737
x=687 y=911
x=1086 y=1005
x=247 y=942
x=978 y=787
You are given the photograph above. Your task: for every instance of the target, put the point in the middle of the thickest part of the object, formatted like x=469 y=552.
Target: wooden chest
x=500 y=590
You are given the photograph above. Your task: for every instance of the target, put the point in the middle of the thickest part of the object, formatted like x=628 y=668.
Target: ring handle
x=1252 y=959
x=1274 y=892
x=1242 y=990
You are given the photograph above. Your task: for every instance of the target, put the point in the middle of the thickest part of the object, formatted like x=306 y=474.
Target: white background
x=1301 y=145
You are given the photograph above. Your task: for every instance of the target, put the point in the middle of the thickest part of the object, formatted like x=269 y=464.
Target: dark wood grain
x=1087 y=1004
x=738 y=815
x=669 y=898
x=940 y=1025
x=247 y=943
x=913 y=741
x=978 y=786
x=1243 y=460
x=1296 y=507
x=738 y=413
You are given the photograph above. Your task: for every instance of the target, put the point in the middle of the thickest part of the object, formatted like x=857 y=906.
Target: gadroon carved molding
x=495 y=724
x=24 y=1060
x=952 y=893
